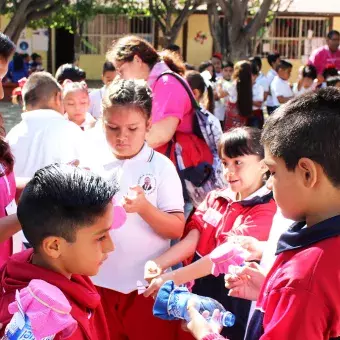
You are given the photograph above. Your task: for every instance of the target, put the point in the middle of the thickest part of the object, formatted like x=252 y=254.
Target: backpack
x=196 y=159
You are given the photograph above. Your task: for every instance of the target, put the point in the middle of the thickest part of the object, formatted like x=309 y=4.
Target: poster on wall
x=40 y=39
x=24 y=46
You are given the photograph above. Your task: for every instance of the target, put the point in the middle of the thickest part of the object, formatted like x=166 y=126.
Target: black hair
x=228 y=64
x=134 y=93
x=284 y=65
x=108 y=67
x=61 y=199
x=256 y=60
x=39 y=88
x=25 y=55
x=244 y=86
x=330 y=71
x=272 y=57
x=189 y=67
x=35 y=56
x=173 y=48
x=332 y=33
x=7 y=46
x=70 y=71
x=255 y=70
x=241 y=141
x=196 y=82
x=18 y=62
x=332 y=81
x=307 y=127
x=309 y=71
x=204 y=65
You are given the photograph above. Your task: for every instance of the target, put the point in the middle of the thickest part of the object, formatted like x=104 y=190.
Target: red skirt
x=233 y=118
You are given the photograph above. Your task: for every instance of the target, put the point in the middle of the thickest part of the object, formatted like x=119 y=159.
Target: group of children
x=243 y=94
x=115 y=222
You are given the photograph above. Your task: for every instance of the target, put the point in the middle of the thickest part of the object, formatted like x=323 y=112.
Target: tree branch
x=259 y=18
x=157 y=16
x=43 y=13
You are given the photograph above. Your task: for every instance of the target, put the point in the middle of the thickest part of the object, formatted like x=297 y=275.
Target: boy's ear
x=308 y=172
x=148 y=125
x=52 y=246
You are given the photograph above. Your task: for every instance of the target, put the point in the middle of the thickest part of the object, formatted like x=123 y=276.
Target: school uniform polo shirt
x=96 y=98
x=280 y=88
x=136 y=242
x=270 y=76
x=300 y=298
x=44 y=137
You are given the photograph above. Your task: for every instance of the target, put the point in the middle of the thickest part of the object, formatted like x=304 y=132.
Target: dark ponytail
x=244 y=86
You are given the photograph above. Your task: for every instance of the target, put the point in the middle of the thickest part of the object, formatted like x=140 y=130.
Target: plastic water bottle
x=203 y=303
x=172 y=301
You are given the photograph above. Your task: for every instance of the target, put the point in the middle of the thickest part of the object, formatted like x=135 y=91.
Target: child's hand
x=198 y=325
x=135 y=203
x=151 y=271
x=155 y=285
x=251 y=244
x=246 y=281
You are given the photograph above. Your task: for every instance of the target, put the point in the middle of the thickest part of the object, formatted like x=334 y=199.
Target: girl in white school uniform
x=76 y=104
x=151 y=193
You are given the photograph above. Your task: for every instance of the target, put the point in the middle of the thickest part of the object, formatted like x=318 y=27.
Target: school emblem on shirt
x=148 y=183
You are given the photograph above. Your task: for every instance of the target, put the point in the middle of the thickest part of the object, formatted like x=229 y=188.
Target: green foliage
x=85 y=10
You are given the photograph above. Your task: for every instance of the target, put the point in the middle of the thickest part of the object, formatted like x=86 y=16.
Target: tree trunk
x=215 y=28
x=239 y=49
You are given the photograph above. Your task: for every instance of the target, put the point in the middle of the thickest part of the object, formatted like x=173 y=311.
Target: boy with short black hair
x=96 y=96
x=44 y=136
x=66 y=214
x=280 y=89
x=300 y=296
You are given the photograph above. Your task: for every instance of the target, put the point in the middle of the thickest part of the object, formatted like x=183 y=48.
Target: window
x=294 y=37
x=103 y=29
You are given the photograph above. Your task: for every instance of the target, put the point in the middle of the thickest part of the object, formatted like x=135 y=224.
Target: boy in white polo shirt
x=151 y=193
x=44 y=136
x=280 y=88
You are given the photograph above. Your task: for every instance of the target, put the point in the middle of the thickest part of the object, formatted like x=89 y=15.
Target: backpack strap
x=184 y=84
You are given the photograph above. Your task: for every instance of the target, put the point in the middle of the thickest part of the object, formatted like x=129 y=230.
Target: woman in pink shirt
x=135 y=58
x=328 y=54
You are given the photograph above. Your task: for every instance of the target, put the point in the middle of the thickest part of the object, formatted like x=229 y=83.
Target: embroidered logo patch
x=148 y=183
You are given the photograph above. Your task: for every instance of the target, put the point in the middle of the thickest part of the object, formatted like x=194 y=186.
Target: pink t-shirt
x=323 y=56
x=6 y=196
x=170 y=99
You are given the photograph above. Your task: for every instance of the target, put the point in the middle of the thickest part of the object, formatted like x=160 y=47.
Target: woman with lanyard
x=134 y=58
x=9 y=226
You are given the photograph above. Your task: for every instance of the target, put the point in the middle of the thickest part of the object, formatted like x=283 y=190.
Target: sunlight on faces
x=134 y=69
x=108 y=77
x=125 y=129
x=76 y=105
x=88 y=252
x=307 y=82
x=244 y=174
x=284 y=73
x=287 y=186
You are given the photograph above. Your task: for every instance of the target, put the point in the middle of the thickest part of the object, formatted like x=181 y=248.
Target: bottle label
x=19 y=327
